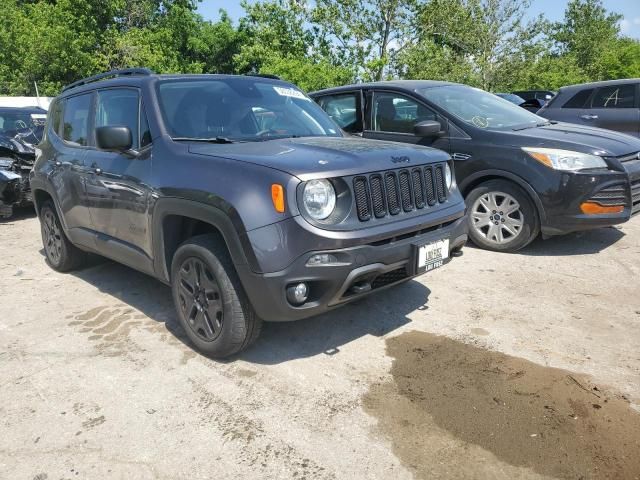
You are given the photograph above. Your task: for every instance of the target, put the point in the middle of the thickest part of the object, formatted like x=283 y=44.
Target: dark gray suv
x=242 y=194
x=613 y=104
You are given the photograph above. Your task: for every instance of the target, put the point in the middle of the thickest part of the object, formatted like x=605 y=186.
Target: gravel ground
x=496 y=366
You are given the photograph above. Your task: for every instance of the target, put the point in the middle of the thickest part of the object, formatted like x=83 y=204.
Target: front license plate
x=432 y=255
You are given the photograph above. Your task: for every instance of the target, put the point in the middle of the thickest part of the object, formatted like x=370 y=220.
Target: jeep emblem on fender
x=403 y=159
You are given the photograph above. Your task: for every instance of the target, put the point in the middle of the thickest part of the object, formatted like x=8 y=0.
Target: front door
x=117 y=186
x=393 y=116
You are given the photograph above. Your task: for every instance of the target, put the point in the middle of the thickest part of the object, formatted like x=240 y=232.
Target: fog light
x=321 y=259
x=595 y=208
x=297 y=294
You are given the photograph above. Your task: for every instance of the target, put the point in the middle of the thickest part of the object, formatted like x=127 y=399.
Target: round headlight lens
x=448 y=177
x=319 y=198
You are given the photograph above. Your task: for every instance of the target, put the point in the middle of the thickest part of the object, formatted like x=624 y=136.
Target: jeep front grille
x=391 y=192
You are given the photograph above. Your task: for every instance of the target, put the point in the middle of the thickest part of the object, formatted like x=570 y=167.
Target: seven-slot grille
x=388 y=193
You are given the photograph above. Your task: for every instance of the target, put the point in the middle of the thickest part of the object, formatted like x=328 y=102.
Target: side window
x=615 y=96
x=579 y=99
x=119 y=107
x=76 y=119
x=344 y=109
x=395 y=113
x=55 y=116
x=145 y=132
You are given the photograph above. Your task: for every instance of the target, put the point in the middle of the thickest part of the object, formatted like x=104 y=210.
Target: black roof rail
x=264 y=75
x=113 y=73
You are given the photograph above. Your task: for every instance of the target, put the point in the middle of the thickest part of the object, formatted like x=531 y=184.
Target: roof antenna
x=37 y=94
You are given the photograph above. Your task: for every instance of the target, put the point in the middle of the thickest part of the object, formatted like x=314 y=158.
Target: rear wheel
x=210 y=301
x=61 y=254
x=502 y=217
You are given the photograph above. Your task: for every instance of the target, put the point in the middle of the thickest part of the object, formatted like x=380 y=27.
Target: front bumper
x=562 y=206
x=14 y=192
x=362 y=270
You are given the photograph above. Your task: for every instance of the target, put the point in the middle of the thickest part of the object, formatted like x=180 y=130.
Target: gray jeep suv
x=242 y=194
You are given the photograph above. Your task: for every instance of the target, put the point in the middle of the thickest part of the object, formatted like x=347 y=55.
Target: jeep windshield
x=481 y=109
x=223 y=110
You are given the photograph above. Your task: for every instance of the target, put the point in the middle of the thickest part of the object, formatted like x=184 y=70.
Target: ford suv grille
x=389 y=193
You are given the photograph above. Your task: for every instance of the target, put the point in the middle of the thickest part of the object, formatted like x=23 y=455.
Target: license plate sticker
x=433 y=255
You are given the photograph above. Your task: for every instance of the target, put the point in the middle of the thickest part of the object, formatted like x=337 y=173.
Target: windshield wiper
x=545 y=124
x=217 y=139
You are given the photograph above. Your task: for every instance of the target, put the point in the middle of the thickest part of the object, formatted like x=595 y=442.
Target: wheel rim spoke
x=497 y=217
x=200 y=299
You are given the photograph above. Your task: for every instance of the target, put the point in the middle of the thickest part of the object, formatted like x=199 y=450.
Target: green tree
x=487 y=41
x=588 y=33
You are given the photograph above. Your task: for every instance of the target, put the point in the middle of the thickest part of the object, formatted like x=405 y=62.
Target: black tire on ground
x=513 y=230
x=60 y=253
x=210 y=301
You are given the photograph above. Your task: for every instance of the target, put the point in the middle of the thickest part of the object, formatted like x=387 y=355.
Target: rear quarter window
x=615 y=96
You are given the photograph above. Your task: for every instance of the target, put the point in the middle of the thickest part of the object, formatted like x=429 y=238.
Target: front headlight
x=565 y=159
x=319 y=198
x=448 y=177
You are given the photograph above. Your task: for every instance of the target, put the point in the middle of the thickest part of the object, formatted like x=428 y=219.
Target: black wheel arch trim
x=492 y=174
x=226 y=221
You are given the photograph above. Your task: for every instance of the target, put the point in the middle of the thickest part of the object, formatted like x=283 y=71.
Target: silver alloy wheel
x=52 y=237
x=497 y=217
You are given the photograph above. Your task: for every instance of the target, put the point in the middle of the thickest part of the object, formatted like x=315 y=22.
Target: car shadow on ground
x=579 y=243
x=279 y=342
x=19 y=214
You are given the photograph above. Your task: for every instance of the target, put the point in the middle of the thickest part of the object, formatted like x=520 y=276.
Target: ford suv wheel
x=210 y=301
x=502 y=218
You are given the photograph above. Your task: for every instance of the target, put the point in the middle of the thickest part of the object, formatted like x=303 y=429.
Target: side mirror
x=116 y=138
x=428 y=128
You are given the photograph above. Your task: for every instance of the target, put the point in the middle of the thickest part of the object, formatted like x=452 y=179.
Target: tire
x=502 y=216
x=210 y=301
x=61 y=254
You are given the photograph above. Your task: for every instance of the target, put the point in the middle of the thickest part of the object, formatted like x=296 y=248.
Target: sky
x=553 y=10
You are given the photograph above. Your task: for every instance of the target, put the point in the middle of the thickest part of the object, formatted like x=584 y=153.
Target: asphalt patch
x=551 y=421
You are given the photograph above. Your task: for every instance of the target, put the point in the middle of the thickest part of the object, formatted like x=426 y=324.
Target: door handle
x=589 y=117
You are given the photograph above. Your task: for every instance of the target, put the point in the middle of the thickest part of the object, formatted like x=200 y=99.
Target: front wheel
x=211 y=304
x=502 y=216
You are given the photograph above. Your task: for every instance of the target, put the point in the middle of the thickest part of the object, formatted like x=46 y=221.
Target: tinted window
x=118 y=107
x=479 y=108
x=615 y=96
x=246 y=109
x=145 y=132
x=343 y=109
x=579 y=99
x=396 y=113
x=76 y=119
x=55 y=116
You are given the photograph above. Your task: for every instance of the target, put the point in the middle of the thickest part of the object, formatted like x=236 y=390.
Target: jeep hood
x=313 y=157
x=579 y=138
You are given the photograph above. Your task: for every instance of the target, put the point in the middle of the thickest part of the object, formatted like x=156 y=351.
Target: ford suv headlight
x=565 y=159
x=319 y=198
x=448 y=177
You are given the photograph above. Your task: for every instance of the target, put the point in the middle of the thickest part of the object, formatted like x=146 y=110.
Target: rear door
x=345 y=108
x=615 y=107
x=118 y=186
x=69 y=133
